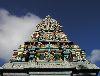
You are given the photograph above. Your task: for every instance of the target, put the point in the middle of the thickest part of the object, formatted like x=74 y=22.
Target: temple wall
x=67 y=73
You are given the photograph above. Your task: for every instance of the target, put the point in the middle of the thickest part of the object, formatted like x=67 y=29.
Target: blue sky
x=80 y=18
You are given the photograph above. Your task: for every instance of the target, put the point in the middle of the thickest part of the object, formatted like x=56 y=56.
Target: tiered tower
x=48 y=44
x=49 y=47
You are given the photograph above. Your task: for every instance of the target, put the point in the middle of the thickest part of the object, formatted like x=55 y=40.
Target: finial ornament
x=49 y=23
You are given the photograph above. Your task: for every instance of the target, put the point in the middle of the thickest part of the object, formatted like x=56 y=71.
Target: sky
x=80 y=20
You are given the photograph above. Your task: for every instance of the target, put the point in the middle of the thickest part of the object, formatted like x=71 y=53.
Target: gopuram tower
x=49 y=52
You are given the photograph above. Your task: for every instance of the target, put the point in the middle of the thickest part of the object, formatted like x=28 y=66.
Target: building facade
x=49 y=52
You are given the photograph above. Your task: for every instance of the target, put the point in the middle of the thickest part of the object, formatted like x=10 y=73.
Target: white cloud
x=95 y=56
x=14 y=31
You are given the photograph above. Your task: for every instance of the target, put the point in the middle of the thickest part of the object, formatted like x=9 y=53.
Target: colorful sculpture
x=48 y=43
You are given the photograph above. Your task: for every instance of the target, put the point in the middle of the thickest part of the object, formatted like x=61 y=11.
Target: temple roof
x=49 y=47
